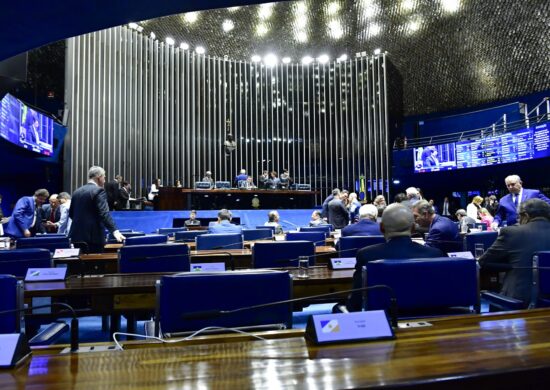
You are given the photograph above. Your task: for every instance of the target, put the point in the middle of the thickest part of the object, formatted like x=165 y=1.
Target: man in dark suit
x=112 y=189
x=90 y=213
x=123 y=201
x=25 y=219
x=515 y=246
x=443 y=233
x=367 y=225
x=51 y=213
x=338 y=215
x=508 y=206
x=327 y=200
x=397 y=226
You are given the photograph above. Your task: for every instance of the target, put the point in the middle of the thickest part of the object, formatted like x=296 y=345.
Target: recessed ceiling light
x=377 y=51
x=300 y=8
x=286 y=60
x=335 y=29
x=200 y=50
x=228 y=25
x=191 y=17
x=233 y=9
x=270 y=60
x=256 y=58
x=342 y=58
x=133 y=26
x=261 y=30
x=413 y=25
x=184 y=46
x=307 y=60
x=170 y=41
x=374 y=29
x=450 y=6
x=153 y=35
x=323 y=58
x=301 y=36
x=407 y=5
x=333 y=8
x=265 y=11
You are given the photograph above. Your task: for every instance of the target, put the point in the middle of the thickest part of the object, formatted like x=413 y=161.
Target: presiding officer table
x=509 y=350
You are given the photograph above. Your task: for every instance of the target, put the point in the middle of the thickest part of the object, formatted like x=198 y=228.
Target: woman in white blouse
x=472 y=210
x=154 y=190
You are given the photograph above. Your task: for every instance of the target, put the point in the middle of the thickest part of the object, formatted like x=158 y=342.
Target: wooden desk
x=504 y=351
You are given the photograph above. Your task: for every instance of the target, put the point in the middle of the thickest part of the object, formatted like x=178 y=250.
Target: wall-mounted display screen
x=25 y=127
x=519 y=145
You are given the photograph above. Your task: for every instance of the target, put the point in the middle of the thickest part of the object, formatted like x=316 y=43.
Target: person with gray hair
x=397 y=226
x=367 y=225
x=464 y=220
x=273 y=220
x=89 y=213
x=509 y=204
x=317 y=219
x=443 y=233
x=224 y=225
x=64 y=223
x=515 y=246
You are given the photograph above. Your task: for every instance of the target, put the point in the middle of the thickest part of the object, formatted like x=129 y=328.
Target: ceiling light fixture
x=270 y=60
x=170 y=41
x=307 y=60
x=323 y=58
x=200 y=50
x=261 y=30
x=256 y=58
x=286 y=60
x=228 y=25
x=191 y=17
x=184 y=46
x=133 y=26
x=153 y=35
x=377 y=51
x=450 y=6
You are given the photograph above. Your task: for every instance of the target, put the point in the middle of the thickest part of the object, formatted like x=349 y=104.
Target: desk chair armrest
x=50 y=334
x=502 y=302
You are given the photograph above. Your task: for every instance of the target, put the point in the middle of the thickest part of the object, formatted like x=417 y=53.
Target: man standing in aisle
x=90 y=213
x=25 y=219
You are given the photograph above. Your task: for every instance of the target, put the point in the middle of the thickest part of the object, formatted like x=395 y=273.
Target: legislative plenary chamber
x=240 y=194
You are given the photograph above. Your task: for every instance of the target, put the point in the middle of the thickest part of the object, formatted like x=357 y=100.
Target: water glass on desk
x=303 y=267
x=479 y=249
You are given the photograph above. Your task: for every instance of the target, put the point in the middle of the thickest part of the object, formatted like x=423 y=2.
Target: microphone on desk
x=291 y=224
x=208 y=314
x=74 y=320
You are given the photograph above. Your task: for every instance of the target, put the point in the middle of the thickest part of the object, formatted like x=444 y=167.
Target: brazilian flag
x=362 y=188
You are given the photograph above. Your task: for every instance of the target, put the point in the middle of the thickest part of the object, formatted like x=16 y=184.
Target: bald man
x=397 y=226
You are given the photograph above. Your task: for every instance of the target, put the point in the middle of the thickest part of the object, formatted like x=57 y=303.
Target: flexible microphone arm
x=217 y=313
x=74 y=320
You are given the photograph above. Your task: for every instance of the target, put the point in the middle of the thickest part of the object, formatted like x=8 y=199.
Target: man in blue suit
x=224 y=224
x=241 y=177
x=443 y=233
x=509 y=204
x=397 y=226
x=25 y=220
x=367 y=225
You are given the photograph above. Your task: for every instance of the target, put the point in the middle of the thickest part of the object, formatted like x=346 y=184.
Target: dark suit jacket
x=324 y=213
x=45 y=212
x=123 y=198
x=338 y=214
x=112 y=191
x=22 y=217
x=90 y=215
x=364 y=227
x=396 y=248
x=507 y=210
x=514 y=247
x=444 y=235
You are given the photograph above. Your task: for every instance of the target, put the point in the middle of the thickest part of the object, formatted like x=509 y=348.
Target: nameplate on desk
x=348 y=327
x=45 y=274
x=66 y=253
x=207 y=267
x=343 y=263
x=464 y=255
x=14 y=348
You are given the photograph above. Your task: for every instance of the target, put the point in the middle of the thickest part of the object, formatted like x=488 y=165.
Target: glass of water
x=479 y=250
x=303 y=267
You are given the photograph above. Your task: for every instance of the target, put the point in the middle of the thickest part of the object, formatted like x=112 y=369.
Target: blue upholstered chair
x=348 y=246
x=148 y=239
x=272 y=228
x=44 y=242
x=257 y=234
x=318 y=238
x=279 y=254
x=189 y=293
x=220 y=241
x=125 y=233
x=189 y=236
x=540 y=293
x=320 y=228
x=171 y=231
x=17 y=261
x=438 y=286
x=153 y=258
x=485 y=238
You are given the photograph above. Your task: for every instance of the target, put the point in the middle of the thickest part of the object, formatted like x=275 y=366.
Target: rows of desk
x=506 y=350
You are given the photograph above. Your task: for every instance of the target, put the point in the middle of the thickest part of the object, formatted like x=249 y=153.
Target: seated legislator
x=51 y=213
x=273 y=220
x=443 y=233
x=464 y=220
x=274 y=181
x=224 y=224
x=317 y=219
x=25 y=218
x=506 y=211
x=192 y=221
x=241 y=177
x=264 y=180
x=397 y=226
x=208 y=178
x=285 y=179
x=248 y=183
x=367 y=225
x=515 y=246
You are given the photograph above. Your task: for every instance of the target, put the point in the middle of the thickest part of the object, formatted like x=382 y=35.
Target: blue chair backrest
x=349 y=246
x=11 y=292
x=220 y=241
x=50 y=235
x=148 y=239
x=318 y=238
x=189 y=236
x=201 y=292
x=279 y=254
x=44 y=242
x=320 y=228
x=127 y=234
x=257 y=234
x=16 y=262
x=485 y=238
x=171 y=231
x=543 y=274
x=435 y=283
x=272 y=228
x=153 y=258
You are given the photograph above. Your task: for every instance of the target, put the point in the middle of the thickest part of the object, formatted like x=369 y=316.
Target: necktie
x=516 y=201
